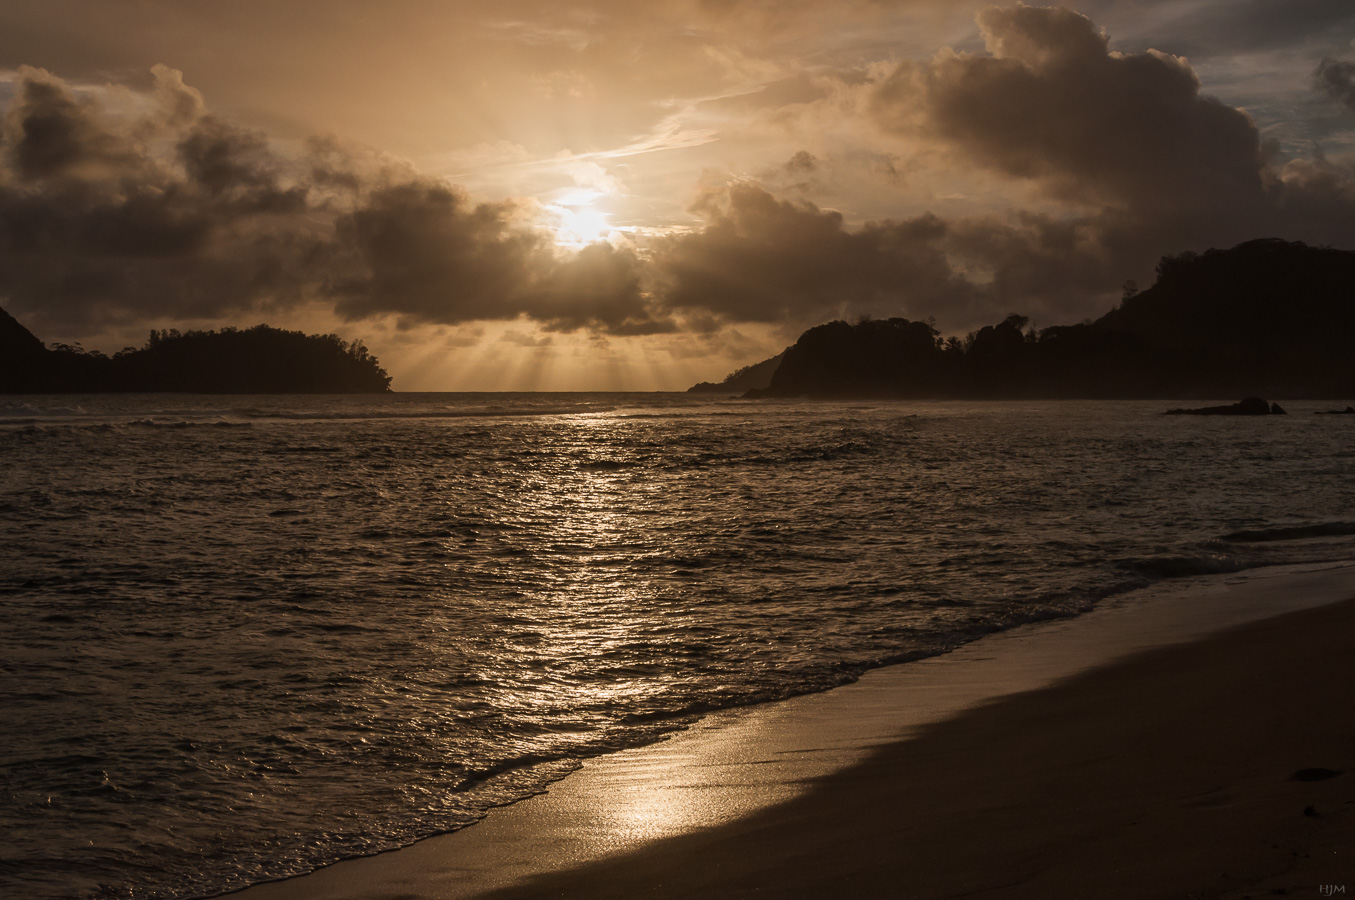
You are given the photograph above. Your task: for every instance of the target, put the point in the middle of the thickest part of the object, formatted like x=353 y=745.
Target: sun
x=578 y=221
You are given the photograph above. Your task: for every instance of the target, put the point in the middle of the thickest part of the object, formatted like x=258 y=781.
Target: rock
x=1277 y=410
x=1252 y=406
x=1316 y=773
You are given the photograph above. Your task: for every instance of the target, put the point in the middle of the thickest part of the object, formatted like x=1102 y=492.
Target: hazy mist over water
x=244 y=636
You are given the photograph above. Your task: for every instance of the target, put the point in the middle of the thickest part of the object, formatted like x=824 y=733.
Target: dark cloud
x=425 y=251
x=48 y=134
x=1052 y=104
x=116 y=213
x=1337 y=78
x=235 y=165
x=1144 y=162
x=759 y=259
x=598 y=288
x=1043 y=266
x=174 y=213
x=96 y=229
x=802 y=162
x=1315 y=201
x=330 y=167
x=428 y=252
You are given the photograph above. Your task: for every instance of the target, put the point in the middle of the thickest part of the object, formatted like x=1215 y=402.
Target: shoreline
x=1197 y=770
x=735 y=777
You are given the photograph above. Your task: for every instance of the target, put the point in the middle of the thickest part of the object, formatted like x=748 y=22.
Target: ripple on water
x=407 y=610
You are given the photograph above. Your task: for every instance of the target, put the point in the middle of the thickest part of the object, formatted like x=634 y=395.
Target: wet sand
x=1180 y=773
x=1023 y=765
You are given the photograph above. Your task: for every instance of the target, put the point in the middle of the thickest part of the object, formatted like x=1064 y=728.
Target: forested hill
x=756 y=376
x=1269 y=318
x=258 y=360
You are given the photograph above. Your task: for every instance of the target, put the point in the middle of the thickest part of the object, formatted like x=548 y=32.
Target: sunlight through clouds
x=578 y=220
x=681 y=171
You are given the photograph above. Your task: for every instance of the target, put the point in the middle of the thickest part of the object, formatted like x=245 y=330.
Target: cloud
x=49 y=135
x=803 y=162
x=1336 y=77
x=1051 y=104
x=424 y=250
x=1129 y=158
x=224 y=160
x=1126 y=158
x=97 y=227
x=170 y=212
x=119 y=206
x=760 y=259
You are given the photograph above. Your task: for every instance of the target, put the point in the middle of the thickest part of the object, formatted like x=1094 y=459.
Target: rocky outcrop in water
x=1252 y=406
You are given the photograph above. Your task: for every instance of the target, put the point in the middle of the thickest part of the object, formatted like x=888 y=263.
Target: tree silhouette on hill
x=254 y=360
x=1266 y=318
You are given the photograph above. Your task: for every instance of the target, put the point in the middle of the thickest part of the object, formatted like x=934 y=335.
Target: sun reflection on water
x=580 y=645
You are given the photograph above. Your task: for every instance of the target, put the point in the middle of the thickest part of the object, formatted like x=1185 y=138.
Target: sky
x=605 y=195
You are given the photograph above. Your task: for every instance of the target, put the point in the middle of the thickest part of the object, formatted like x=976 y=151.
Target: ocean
x=243 y=637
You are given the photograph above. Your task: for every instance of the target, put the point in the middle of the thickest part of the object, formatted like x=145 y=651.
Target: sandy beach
x=1203 y=770
x=1198 y=763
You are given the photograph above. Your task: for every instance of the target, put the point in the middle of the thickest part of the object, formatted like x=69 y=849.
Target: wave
x=1291 y=532
x=183 y=423
x=1156 y=567
x=365 y=415
x=28 y=414
x=40 y=426
x=29 y=411
x=438 y=618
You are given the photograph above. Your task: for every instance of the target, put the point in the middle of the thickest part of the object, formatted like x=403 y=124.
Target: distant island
x=258 y=360
x=1266 y=318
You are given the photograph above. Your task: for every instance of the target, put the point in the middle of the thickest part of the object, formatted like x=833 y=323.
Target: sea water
x=242 y=637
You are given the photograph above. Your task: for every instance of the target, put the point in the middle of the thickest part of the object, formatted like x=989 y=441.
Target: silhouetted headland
x=1266 y=318
x=1252 y=406
x=258 y=360
x=755 y=377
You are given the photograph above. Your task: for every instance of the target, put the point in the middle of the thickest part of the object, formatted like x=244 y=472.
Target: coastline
x=863 y=784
